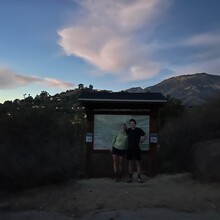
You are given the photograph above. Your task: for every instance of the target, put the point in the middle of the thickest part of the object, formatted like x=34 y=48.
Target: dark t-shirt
x=134 y=137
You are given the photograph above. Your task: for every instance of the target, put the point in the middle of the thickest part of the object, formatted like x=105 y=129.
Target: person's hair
x=132 y=120
x=125 y=126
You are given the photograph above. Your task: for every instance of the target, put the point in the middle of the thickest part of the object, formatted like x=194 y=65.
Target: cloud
x=208 y=45
x=118 y=37
x=203 y=39
x=200 y=40
x=108 y=36
x=207 y=65
x=10 y=79
x=196 y=53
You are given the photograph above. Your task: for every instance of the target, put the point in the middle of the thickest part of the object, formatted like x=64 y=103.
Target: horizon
x=113 y=45
x=87 y=86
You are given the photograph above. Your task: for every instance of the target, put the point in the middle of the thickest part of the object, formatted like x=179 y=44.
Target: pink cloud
x=10 y=79
x=107 y=36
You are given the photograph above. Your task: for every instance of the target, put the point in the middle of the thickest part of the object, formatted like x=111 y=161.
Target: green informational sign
x=106 y=126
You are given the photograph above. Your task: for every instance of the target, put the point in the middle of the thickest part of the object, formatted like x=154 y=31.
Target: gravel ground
x=162 y=197
x=142 y=214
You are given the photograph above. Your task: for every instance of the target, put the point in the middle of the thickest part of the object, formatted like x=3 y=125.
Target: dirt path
x=89 y=196
x=141 y=214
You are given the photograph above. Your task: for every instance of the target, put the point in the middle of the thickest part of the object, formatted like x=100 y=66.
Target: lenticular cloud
x=112 y=36
x=10 y=79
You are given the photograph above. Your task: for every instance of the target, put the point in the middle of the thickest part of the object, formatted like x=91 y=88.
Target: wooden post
x=153 y=150
x=89 y=145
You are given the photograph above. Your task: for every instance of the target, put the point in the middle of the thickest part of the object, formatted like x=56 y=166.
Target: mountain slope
x=192 y=89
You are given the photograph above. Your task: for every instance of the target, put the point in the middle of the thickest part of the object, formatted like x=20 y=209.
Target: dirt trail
x=172 y=192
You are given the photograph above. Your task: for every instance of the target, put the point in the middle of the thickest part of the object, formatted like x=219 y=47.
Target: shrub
x=178 y=136
x=38 y=147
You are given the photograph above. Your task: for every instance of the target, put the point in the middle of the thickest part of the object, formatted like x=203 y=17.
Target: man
x=135 y=137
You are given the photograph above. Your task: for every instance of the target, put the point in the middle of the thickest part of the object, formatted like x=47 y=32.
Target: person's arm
x=143 y=136
x=113 y=141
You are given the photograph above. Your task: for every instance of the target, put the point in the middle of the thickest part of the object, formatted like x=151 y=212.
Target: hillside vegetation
x=179 y=135
x=42 y=138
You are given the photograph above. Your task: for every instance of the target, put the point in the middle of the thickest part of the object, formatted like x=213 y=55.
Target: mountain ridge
x=191 y=89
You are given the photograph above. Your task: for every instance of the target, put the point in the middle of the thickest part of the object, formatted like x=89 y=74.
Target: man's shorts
x=134 y=154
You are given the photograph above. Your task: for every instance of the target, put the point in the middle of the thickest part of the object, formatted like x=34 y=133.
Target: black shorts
x=118 y=152
x=134 y=154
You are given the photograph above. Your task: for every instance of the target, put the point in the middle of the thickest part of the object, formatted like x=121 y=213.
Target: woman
x=119 y=147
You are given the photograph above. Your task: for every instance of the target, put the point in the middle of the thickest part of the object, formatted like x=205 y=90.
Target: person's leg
x=130 y=167
x=138 y=165
x=120 y=166
x=130 y=171
x=115 y=165
x=120 y=163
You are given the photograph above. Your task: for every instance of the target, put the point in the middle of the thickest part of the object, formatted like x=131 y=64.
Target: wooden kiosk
x=105 y=112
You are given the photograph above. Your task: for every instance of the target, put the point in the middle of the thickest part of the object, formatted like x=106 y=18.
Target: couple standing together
x=127 y=141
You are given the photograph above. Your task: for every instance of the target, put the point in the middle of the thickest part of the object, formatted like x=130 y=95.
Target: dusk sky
x=54 y=45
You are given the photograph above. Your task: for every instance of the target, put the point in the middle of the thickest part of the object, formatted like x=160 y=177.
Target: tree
x=29 y=99
x=16 y=101
x=44 y=95
x=7 y=103
x=172 y=109
x=81 y=86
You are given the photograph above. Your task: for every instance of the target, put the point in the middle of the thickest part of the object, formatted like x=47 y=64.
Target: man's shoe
x=139 y=180
x=116 y=177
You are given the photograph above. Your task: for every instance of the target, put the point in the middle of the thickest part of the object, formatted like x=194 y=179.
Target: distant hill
x=192 y=89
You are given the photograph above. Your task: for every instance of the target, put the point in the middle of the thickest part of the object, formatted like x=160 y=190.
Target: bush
x=39 y=147
x=178 y=136
x=172 y=109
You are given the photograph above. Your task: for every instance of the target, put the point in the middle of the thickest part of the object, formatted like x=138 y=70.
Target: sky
x=55 y=45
